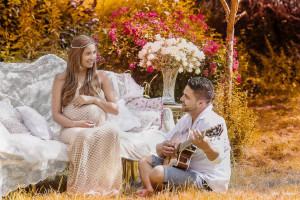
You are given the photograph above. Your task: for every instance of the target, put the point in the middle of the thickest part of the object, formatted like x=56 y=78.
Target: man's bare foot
x=144 y=192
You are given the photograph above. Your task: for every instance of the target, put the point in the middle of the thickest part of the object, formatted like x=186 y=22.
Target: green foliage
x=240 y=120
x=280 y=74
x=32 y=28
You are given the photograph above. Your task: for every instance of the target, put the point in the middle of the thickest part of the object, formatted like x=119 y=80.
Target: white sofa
x=26 y=159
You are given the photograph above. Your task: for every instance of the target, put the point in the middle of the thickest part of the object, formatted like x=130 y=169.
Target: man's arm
x=203 y=143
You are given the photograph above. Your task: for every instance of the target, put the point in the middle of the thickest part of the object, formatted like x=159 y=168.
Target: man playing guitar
x=209 y=166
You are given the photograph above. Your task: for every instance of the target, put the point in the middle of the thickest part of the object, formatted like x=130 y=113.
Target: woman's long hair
x=91 y=83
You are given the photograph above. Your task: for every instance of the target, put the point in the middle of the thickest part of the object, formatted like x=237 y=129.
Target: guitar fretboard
x=211 y=132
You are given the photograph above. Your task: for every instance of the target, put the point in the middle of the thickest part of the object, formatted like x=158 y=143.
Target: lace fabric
x=26 y=159
x=95 y=162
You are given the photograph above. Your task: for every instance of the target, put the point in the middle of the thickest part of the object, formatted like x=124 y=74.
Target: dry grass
x=270 y=170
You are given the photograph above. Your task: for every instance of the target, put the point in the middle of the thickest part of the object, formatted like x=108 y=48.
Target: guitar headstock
x=213 y=131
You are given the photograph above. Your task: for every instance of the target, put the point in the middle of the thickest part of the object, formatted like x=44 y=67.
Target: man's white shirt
x=217 y=172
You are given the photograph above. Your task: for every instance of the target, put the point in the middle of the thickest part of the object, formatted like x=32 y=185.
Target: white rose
x=184 y=64
x=156 y=46
x=180 y=69
x=197 y=71
x=190 y=70
x=142 y=53
x=157 y=37
x=148 y=63
x=151 y=57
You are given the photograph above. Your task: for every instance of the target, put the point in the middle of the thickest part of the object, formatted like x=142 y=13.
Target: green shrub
x=240 y=120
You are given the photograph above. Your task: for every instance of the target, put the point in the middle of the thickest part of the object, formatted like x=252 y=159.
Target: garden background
x=263 y=117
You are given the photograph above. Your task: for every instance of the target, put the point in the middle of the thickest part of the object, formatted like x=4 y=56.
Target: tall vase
x=169 y=79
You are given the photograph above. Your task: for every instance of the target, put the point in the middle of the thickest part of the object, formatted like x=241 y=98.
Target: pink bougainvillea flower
x=206 y=73
x=99 y=58
x=212 y=67
x=96 y=38
x=199 y=16
x=235 y=53
x=150 y=69
x=193 y=18
x=113 y=25
x=235 y=66
x=118 y=51
x=140 y=42
x=112 y=34
x=239 y=78
x=132 y=65
x=152 y=14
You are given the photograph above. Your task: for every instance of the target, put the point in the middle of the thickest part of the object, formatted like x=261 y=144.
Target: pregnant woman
x=81 y=98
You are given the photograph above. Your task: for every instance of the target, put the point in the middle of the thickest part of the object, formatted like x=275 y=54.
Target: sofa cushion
x=124 y=86
x=36 y=123
x=8 y=111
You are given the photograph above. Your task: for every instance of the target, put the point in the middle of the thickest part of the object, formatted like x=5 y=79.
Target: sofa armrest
x=167 y=120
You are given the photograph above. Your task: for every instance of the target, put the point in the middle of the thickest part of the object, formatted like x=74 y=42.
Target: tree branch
x=226 y=8
x=239 y=16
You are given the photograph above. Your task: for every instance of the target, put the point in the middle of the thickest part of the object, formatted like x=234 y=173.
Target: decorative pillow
x=36 y=123
x=3 y=130
x=133 y=90
x=143 y=104
x=147 y=119
x=124 y=86
x=8 y=111
x=125 y=120
x=14 y=126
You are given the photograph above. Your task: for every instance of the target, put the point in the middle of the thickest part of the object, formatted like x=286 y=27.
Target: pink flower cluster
x=99 y=58
x=136 y=29
x=211 y=48
x=213 y=68
x=120 y=11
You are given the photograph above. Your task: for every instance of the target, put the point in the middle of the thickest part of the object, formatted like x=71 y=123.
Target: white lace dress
x=95 y=162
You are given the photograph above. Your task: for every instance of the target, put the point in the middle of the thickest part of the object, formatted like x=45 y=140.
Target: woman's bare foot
x=144 y=192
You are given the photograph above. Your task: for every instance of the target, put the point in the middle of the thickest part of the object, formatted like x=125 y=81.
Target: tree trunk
x=231 y=19
x=229 y=49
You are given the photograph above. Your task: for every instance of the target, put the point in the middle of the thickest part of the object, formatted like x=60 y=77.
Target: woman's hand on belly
x=83 y=100
x=84 y=124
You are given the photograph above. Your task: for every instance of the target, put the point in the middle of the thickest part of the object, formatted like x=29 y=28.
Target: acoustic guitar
x=184 y=151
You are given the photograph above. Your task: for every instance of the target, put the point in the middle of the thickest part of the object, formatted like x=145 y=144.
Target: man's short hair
x=202 y=87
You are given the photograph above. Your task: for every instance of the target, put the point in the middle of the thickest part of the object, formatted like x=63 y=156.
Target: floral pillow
x=143 y=104
x=14 y=126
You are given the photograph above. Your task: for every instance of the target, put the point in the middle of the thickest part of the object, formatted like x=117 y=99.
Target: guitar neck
x=185 y=144
x=209 y=133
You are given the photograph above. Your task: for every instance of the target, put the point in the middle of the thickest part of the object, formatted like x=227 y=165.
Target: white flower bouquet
x=171 y=53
